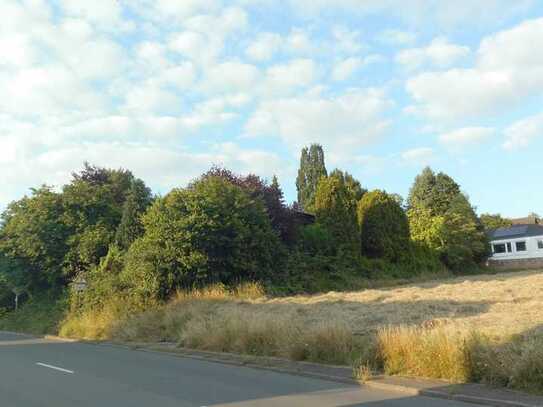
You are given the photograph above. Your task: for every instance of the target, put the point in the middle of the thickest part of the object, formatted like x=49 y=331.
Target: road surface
x=36 y=372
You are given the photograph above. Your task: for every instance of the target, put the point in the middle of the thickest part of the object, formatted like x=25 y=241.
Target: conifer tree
x=312 y=169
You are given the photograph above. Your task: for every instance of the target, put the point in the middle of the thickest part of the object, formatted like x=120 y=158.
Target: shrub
x=40 y=315
x=211 y=232
x=384 y=227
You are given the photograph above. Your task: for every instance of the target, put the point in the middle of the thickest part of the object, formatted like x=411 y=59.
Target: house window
x=521 y=246
x=509 y=248
x=499 y=248
x=540 y=244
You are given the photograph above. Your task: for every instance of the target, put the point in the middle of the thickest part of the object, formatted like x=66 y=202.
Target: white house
x=518 y=242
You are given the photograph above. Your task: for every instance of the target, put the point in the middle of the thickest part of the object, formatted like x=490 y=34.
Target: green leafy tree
x=94 y=203
x=433 y=192
x=34 y=237
x=312 y=169
x=212 y=231
x=14 y=281
x=384 y=228
x=422 y=189
x=352 y=184
x=335 y=209
x=457 y=236
x=427 y=229
x=494 y=221
x=282 y=217
x=466 y=242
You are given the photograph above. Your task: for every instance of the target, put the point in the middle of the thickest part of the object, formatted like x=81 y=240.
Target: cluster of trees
x=437 y=222
x=49 y=237
x=106 y=226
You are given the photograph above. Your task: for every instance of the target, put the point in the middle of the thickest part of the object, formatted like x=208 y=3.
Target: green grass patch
x=38 y=316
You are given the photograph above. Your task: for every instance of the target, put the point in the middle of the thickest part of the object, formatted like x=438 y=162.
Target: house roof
x=516 y=232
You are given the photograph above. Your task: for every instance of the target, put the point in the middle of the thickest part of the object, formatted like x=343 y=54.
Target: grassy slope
x=473 y=328
x=39 y=316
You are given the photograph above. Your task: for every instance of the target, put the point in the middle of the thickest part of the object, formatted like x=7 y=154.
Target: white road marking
x=55 y=368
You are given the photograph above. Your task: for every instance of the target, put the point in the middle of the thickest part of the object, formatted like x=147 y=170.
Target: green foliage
x=211 y=232
x=466 y=243
x=39 y=316
x=426 y=229
x=137 y=201
x=384 y=228
x=94 y=204
x=335 y=210
x=433 y=192
x=33 y=240
x=442 y=219
x=312 y=169
x=281 y=217
x=103 y=282
x=352 y=184
x=495 y=221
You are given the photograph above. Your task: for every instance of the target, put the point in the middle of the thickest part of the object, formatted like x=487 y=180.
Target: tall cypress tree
x=312 y=168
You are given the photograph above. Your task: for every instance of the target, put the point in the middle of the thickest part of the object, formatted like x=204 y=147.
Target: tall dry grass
x=463 y=356
x=437 y=353
x=220 y=319
x=480 y=328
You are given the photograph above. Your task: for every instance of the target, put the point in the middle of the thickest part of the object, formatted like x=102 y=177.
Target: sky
x=168 y=88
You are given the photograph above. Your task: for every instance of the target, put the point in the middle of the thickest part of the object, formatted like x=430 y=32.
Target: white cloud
x=509 y=68
x=196 y=46
x=180 y=76
x=204 y=36
x=343 y=124
x=457 y=139
x=345 y=68
x=230 y=77
x=439 y=52
x=46 y=90
x=347 y=41
x=418 y=156
x=228 y=21
x=16 y=50
x=264 y=46
x=521 y=133
x=161 y=166
x=281 y=79
x=445 y=14
x=179 y=9
x=106 y=14
x=397 y=37
x=148 y=99
x=298 y=42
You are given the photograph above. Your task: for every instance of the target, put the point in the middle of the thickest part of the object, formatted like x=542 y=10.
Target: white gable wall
x=532 y=249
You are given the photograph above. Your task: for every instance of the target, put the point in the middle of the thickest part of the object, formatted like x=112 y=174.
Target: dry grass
x=438 y=352
x=484 y=328
x=498 y=305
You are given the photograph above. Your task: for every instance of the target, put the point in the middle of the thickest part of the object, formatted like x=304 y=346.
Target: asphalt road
x=37 y=372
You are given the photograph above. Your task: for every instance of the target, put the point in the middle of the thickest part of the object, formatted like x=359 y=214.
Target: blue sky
x=167 y=88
